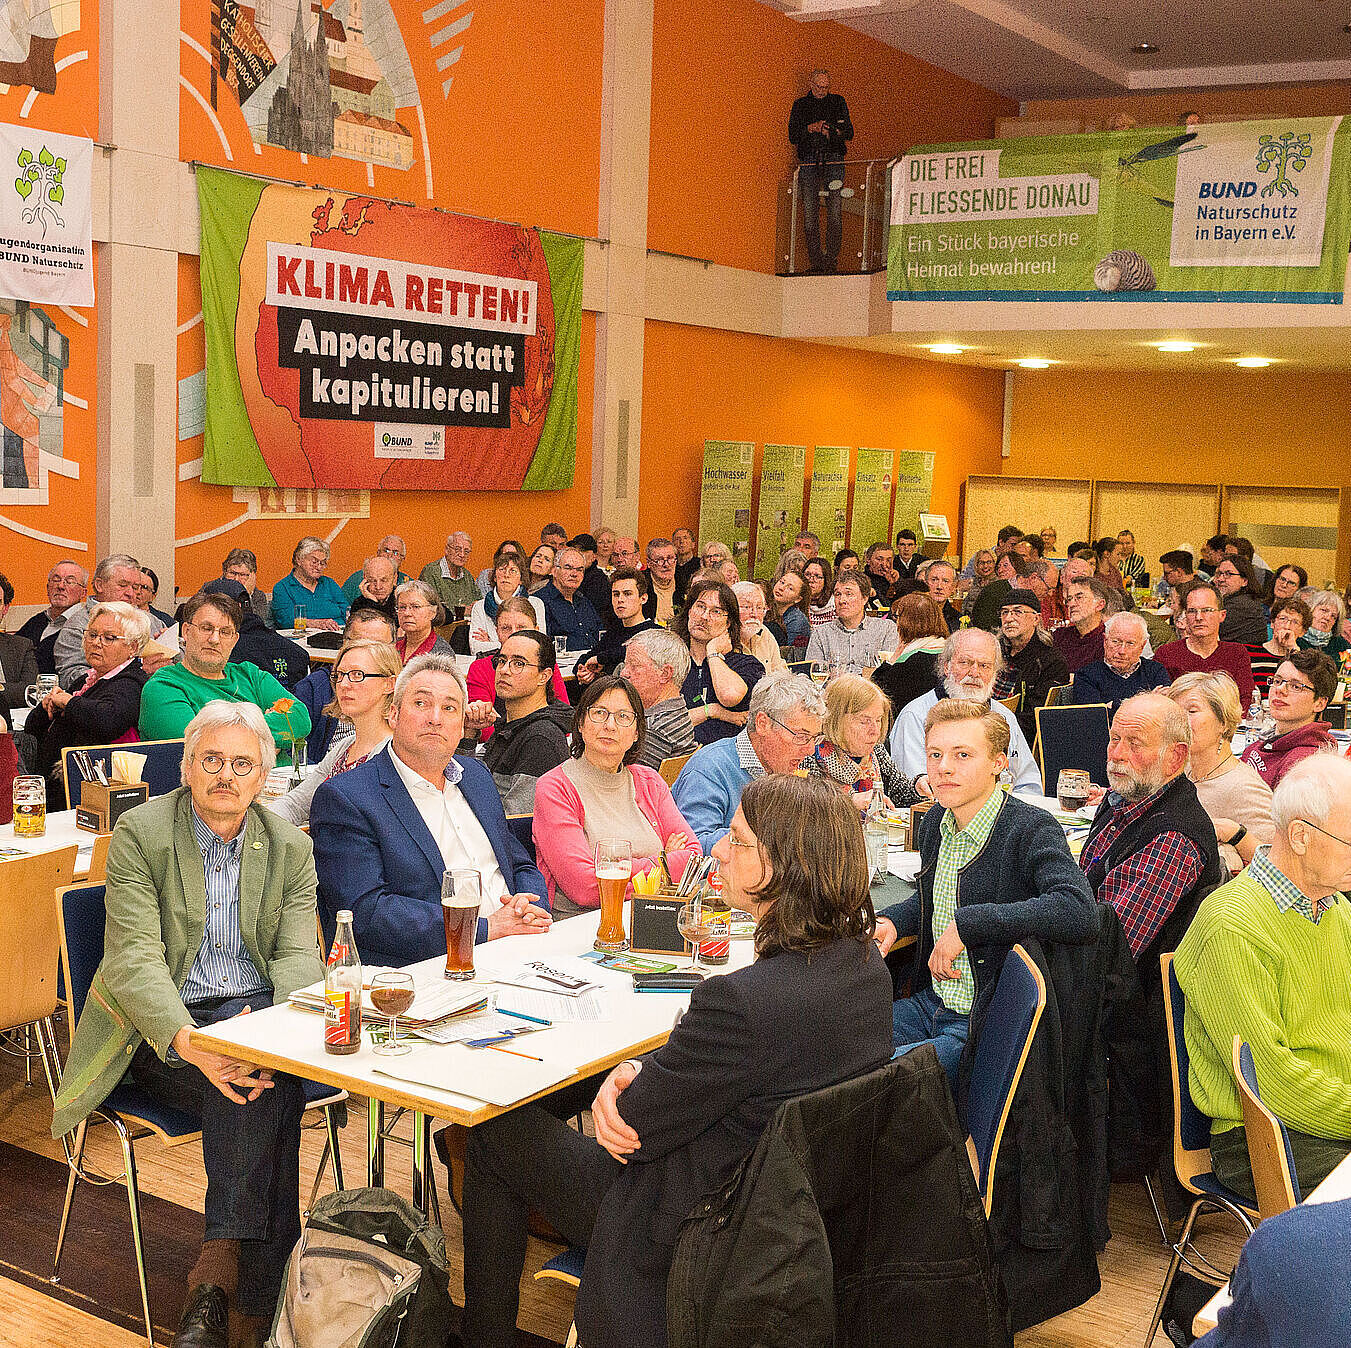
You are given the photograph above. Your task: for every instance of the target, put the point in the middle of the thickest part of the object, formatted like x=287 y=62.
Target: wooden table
x=1335 y=1187
x=61 y=832
x=318 y=655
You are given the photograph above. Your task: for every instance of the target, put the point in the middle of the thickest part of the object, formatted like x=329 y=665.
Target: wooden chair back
x=30 y=937
x=1056 y=693
x=1012 y=702
x=98 y=862
x=670 y=767
x=1268 y=1143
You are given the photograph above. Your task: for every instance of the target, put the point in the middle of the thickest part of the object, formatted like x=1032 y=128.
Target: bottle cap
x=344 y=914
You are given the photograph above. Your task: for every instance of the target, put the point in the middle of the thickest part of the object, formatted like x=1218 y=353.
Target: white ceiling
x=1027 y=49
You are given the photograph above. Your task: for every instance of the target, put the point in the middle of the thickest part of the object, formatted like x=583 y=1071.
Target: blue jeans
x=812 y=178
x=924 y=1019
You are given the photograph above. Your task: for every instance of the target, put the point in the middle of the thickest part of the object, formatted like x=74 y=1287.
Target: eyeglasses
x=513 y=664
x=1228 y=575
x=1200 y=612
x=625 y=720
x=1345 y=842
x=208 y=632
x=736 y=842
x=803 y=737
x=102 y=638
x=357 y=676
x=213 y=763
x=708 y=610
x=1293 y=684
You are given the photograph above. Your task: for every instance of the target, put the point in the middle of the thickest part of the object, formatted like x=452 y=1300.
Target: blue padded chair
x=1191 y=1156
x=131 y=1111
x=1072 y=737
x=1272 y=1160
x=565 y=1267
x=522 y=827
x=1001 y=1052
x=163 y=767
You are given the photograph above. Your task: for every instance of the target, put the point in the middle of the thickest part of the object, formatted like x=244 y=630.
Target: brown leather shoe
x=204 y=1322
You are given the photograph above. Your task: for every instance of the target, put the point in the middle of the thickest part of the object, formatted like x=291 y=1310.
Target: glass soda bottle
x=718 y=916
x=342 y=991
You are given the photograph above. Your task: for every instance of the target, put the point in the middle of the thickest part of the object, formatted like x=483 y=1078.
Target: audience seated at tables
x=286 y=660
x=853 y=754
x=385 y=833
x=567 y=612
x=67 y=586
x=1325 y=631
x=811 y=1010
x=1032 y=665
x=514 y=615
x=391 y=547
x=307 y=587
x=241 y=564
x=852 y=641
x=104 y=709
x=1290 y=619
x=666 y=590
x=601 y=790
x=18 y=660
x=416 y=607
x=626 y=621
x=784 y=727
x=507 y=581
x=994 y=870
x=211 y=903
x=1237 y=800
x=315 y=690
x=375 y=587
x=452 y=582
x=820 y=578
x=1200 y=647
x=531 y=733
x=146 y=590
x=539 y=570
x=655 y=663
x=786 y=613
x=1151 y=848
x=912 y=669
x=365 y=674
x=116 y=579
x=509 y=547
x=1301 y=687
x=940 y=579
x=967 y=669
x=1245 y=615
x=209 y=625
x=1268 y=958
x=1123 y=670
x=1080 y=641
x=722 y=674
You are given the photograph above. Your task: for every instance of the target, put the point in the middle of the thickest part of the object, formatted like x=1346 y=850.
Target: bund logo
x=1287 y=153
x=45 y=174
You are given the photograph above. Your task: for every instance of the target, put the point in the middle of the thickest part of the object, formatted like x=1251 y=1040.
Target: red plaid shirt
x=1144 y=888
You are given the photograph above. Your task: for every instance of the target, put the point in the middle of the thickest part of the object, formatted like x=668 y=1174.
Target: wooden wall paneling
x=1287 y=524
x=1161 y=515
x=1029 y=502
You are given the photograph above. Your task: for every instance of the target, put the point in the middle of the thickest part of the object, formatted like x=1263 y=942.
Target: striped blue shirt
x=222 y=967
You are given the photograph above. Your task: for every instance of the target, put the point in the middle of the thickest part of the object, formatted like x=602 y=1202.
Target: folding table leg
x=375 y=1144
x=423 y=1179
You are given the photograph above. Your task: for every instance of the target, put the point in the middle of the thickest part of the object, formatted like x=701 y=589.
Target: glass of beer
x=301 y=621
x=392 y=995
x=614 y=867
x=30 y=807
x=46 y=683
x=1071 y=789
x=460 y=894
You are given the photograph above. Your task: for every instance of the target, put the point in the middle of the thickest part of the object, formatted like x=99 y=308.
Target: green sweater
x=1282 y=984
x=173 y=695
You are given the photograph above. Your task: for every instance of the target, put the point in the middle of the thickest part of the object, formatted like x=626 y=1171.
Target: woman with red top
x=416 y=604
x=513 y=615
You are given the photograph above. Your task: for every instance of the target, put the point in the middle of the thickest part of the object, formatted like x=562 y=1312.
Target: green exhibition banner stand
x=914 y=489
x=828 y=506
x=725 y=496
x=782 y=471
x=870 y=519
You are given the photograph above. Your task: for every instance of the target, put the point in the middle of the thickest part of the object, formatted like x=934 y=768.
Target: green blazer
x=156 y=901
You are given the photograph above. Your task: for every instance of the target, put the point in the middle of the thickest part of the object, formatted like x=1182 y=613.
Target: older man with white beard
x=970 y=662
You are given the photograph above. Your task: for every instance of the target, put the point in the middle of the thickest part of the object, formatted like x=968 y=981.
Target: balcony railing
x=864 y=192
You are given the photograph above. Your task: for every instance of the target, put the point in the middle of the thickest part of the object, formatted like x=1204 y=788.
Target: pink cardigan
x=564 y=855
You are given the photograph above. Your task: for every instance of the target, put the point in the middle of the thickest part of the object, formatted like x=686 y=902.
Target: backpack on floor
x=369 y=1271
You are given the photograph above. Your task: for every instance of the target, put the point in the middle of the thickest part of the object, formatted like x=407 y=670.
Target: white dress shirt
x=456 y=829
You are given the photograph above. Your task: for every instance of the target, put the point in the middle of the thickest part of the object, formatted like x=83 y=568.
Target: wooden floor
x=1132 y=1265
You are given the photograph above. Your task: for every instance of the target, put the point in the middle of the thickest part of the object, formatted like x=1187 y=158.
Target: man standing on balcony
x=820 y=130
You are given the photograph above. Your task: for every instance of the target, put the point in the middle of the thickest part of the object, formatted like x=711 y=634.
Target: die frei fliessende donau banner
x=1241 y=211
x=360 y=343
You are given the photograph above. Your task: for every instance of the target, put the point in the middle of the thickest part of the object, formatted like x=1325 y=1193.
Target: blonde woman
x=853 y=754
x=364 y=675
x=1237 y=800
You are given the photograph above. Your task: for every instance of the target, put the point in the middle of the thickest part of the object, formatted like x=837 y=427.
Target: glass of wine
x=695 y=926
x=819 y=673
x=392 y=995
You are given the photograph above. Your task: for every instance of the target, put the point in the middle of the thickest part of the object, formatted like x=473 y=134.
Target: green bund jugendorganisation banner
x=353 y=342
x=1242 y=211
x=870 y=519
x=827 y=507
x=914 y=489
x=782 y=469
x=725 y=495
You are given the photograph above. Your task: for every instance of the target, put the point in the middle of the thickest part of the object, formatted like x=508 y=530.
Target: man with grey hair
x=567 y=612
x=117 y=578
x=67 y=588
x=390 y=546
x=656 y=663
x=820 y=131
x=968 y=667
x=211 y=906
x=451 y=577
x=1124 y=669
x=665 y=580
x=375 y=589
x=387 y=831
x=1268 y=958
x=1151 y=850
x=783 y=727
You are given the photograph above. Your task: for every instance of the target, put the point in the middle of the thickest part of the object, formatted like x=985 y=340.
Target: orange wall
x=1291 y=100
x=1251 y=427
x=705 y=384
x=724 y=76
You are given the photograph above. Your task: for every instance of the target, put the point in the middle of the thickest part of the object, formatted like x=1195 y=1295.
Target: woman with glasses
x=509 y=547
x=515 y=615
x=416 y=604
x=1325 y=631
x=507 y=583
x=364 y=675
x=106 y=708
x=1301 y=688
x=322 y=597
x=1290 y=619
x=820 y=578
x=717 y=690
x=853 y=753
x=602 y=791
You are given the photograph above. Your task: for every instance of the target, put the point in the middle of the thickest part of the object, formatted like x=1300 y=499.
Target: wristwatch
x=1238 y=837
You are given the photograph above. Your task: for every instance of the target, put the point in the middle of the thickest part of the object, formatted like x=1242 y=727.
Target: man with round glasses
x=211 y=913
x=531 y=734
x=1200 y=647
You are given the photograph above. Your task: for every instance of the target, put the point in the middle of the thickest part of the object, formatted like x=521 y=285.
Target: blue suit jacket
x=375 y=855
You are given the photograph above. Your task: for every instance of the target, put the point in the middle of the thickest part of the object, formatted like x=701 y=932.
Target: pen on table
x=514 y=1052
x=521 y=1015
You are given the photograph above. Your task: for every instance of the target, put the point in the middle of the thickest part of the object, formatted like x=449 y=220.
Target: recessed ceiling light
x=1253 y=362
x=1145 y=48
x=1180 y=348
x=946 y=349
x=1034 y=363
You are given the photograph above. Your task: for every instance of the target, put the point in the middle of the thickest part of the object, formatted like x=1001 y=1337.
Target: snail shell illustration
x=1123 y=270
